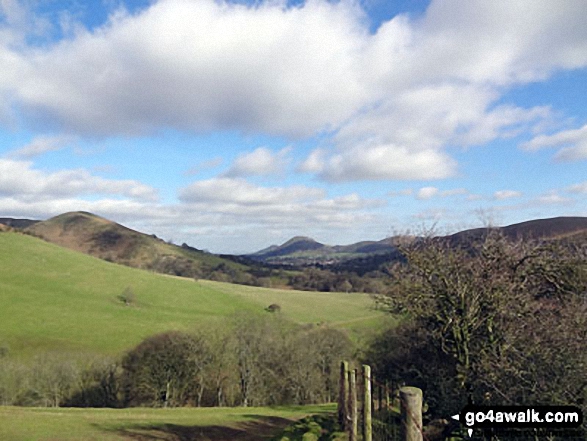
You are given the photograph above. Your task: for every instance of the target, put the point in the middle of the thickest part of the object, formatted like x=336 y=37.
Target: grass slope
x=99 y=237
x=218 y=424
x=54 y=299
x=353 y=311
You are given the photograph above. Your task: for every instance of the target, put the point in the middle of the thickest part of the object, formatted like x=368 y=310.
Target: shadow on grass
x=261 y=427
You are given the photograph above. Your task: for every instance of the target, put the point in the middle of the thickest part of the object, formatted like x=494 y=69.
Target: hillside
x=306 y=251
x=102 y=238
x=17 y=223
x=552 y=228
x=362 y=257
x=55 y=299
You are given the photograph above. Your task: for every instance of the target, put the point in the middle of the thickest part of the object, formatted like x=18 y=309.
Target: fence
x=370 y=411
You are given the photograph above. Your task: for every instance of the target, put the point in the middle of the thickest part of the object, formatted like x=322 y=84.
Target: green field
x=219 y=424
x=54 y=299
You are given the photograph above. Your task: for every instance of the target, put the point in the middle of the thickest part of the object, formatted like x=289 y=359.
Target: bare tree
x=501 y=315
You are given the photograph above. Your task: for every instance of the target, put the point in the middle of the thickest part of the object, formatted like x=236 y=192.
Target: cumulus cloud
x=404 y=92
x=427 y=193
x=314 y=163
x=236 y=200
x=241 y=192
x=382 y=162
x=260 y=162
x=200 y=66
x=572 y=144
x=19 y=180
x=506 y=194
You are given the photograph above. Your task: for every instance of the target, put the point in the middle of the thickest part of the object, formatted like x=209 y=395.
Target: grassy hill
x=105 y=239
x=55 y=299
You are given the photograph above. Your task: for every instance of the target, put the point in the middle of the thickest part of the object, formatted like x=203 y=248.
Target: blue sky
x=234 y=125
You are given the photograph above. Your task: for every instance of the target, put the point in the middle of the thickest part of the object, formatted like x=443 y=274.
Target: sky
x=235 y=125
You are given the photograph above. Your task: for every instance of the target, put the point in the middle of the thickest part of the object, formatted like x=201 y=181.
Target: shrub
x=165 y=370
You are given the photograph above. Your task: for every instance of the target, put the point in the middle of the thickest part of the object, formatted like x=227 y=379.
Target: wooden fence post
x=343 y=395
x=367 y=422
x=353 y=414
x=411 y=413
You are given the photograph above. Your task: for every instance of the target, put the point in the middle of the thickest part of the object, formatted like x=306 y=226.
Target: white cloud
x=578 y=188
x=43 y=144
x=427 y=193
x=506 y=194
x=502 y=122
x=314 y=163
x=501 y=42
x=212 y=211
x=120 y=210
x=430 y=192
x=404 y=93
x=241 y=192
x=384 y=162
x=573 y=143
x=348 y=202
x=19 y=180
x=572 y=154
x=553 y=198
x=236 y=201
x=259 y=162
x=200 y=66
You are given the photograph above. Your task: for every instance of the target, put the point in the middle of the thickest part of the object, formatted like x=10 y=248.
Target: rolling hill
x=17 y=223
x=302 y=250
x=55 y=299
x=552 y=228
x=102 y=238
x=362 y=257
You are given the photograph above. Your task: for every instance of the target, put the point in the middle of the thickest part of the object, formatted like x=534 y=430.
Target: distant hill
x=17 y=223
x=302 y=250
x=362 y=257
x=551 y=228
x=276 y=265
x=102 y=238
x=298 y=244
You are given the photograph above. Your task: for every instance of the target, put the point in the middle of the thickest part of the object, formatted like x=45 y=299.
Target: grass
x=54 y=299
x=351 y=311
x=219 y=424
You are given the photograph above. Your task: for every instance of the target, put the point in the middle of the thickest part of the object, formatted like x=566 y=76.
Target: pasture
x=57 y=300
x=178 y=424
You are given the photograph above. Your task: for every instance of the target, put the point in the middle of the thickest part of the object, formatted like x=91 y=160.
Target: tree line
x=255 y=360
